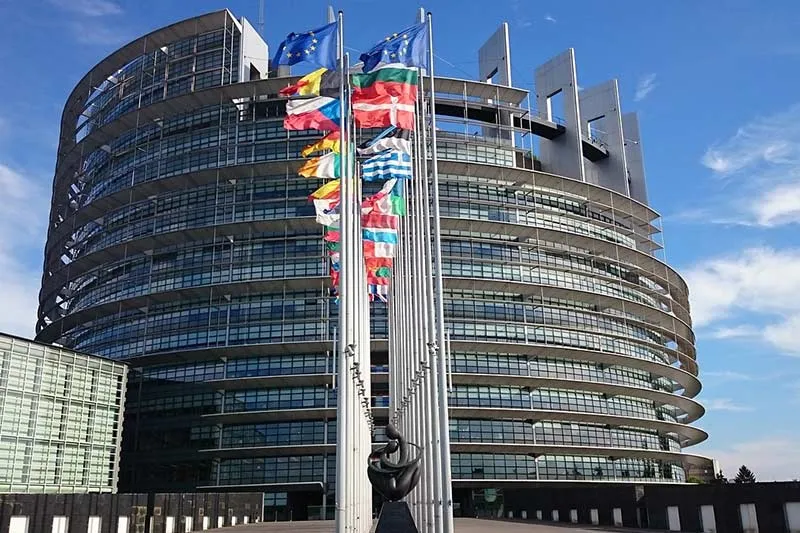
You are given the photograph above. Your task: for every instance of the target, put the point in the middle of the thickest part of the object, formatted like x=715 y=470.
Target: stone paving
x=462 y=525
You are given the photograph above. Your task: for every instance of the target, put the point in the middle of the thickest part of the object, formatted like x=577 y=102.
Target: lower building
x=60 y=419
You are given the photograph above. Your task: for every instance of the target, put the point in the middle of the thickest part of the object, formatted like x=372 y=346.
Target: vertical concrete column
x=494 y=57
x=634 y=157
x=602 y=102
x=563 y=154
x=494 y=66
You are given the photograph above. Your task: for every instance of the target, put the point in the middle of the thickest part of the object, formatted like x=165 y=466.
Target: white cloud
x=760 y=165
x=97 y=34
x=774 y=458
x=726 y=375
x=762 y=281
x=519 y=17
x=88 y=21
x=777 y=206
x=735 y=332
x=785 y=335
x=89 y=8
x=724 y=404
x=772 y=140
x=22 y=233
x=645 y=86
x=550 y=18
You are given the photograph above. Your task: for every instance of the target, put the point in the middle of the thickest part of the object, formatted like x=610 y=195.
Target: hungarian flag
x=325 y=167
x=329 y=142
x=320 y=113
x=321 y=82
x=327 y=191
x=391 y=80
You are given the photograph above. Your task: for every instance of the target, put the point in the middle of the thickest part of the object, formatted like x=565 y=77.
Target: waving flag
x=325 y=167
x=409 y=47
x=384 y=110
x=392 y=80
x=380 y=235
x=319 y=113
x=381 y=292
x=317 y=46
x=321 y=82
x=379 y=249
x=379 y=277
x=389 y=200
x=392 y=138
x=377 y=220
x=326 y=212
x=391 y=164
x=328 y=191
x=329 y=142
x=379 y=264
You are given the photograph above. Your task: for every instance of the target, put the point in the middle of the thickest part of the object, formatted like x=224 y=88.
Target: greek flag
x=391 y=164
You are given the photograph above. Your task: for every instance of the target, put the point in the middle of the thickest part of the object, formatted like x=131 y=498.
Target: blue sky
x=715 y=84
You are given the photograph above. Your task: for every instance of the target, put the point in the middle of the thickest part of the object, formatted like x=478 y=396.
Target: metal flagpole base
x=396 y=517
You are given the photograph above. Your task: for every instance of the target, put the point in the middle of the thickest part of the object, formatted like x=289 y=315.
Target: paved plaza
x=462 y=525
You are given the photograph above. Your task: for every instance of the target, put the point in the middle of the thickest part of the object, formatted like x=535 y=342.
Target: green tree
x=745 y=475
x=719 y=479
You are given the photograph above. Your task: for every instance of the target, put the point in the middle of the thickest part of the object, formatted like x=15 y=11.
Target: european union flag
x=409 y=47
x=317 y=46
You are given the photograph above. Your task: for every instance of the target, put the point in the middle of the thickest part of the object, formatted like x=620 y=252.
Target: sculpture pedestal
x=396 y=518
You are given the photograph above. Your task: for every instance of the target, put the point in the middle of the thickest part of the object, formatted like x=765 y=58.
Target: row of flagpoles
x=379 y=247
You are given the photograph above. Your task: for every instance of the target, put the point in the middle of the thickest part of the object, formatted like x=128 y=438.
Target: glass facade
x=60 y=419
x=185 y=245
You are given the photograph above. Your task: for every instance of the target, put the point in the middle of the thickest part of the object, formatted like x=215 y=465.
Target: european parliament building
x=182 y=242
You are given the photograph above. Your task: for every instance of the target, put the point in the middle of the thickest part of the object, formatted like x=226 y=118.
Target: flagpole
x=444 y=429
x=431 y=388
x=343 y=420
x=419 y=400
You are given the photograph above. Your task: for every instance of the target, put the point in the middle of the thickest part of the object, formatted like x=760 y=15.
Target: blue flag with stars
x=317 y=46
x=409 y=47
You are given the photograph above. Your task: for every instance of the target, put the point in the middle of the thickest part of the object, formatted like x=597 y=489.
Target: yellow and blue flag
x=409 y=47
x=317 y=46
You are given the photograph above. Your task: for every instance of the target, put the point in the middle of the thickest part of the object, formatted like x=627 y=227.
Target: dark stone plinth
x=396 y=518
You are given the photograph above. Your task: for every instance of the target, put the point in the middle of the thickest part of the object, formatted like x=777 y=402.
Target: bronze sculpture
x=394 y=480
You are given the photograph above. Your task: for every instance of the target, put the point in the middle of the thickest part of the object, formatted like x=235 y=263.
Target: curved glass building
x=181 y=241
